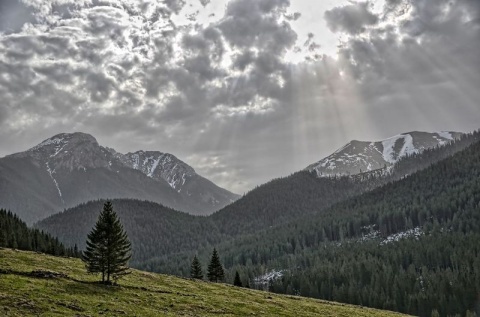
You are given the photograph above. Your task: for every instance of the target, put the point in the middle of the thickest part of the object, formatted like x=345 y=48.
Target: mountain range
x=72 y=168
x=159 y=232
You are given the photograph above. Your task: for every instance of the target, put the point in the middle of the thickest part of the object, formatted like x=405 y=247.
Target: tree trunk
x=108 y=271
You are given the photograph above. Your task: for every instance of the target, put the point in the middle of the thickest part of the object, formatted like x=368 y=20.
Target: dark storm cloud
x=204 y=2
x=175 y=5
x=293 y=16
x=243 y=59
x=443 y=18
x=256 y=23
x=351 y=18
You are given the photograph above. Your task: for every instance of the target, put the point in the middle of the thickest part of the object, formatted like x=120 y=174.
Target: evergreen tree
x=215 y=270
x=236 y=280
x=196 y=269
x=108 y=248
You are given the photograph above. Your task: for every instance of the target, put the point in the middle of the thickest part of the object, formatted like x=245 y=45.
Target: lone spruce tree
x=196 y=269
x=108 y=248
x=236 y=280
x=215 y=270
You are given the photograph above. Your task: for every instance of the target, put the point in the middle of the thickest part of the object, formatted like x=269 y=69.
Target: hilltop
x=365 y=156
x=23 y=293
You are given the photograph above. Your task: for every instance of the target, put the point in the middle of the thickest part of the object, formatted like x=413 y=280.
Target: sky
x=242 y=90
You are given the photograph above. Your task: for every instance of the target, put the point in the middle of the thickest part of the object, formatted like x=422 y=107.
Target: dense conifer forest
x=15 y=234
x=410 y=246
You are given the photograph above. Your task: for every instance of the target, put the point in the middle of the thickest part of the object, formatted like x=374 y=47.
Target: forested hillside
x=152 y=228
x=302 y=194
x=410 y=246
x=157 y=231
x=15 y=234
x=437 y=272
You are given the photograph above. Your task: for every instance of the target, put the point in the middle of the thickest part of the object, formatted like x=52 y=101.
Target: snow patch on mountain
x=54 y=140
x=446 y=135
x=135 y=161
x=59 y=148
x=154 y=166
x=159 y=165
x=391 y=155
x=373 y=234
x=412 y=233
x=263 y=281
x=50 y=172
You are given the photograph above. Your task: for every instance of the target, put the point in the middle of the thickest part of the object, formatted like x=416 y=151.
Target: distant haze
x=243 y=90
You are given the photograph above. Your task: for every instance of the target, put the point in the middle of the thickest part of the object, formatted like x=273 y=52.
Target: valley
x=359 y=239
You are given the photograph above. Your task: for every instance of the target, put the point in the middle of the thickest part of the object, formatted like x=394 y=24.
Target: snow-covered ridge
x=365 y=156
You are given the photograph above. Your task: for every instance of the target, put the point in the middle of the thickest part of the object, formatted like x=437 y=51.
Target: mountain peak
x=62 y=139
x=71 y=151
x=362 y=156
x=75 y=136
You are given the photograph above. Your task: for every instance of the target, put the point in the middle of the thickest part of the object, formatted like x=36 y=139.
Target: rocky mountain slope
x=68 y=169
x=360 y=156
x=179 y=175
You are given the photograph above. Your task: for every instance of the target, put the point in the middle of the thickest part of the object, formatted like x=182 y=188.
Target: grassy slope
x=140 y=294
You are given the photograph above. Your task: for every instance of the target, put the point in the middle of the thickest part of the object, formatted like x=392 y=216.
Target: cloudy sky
x=242 y=90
